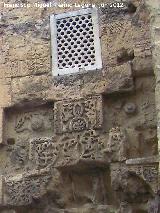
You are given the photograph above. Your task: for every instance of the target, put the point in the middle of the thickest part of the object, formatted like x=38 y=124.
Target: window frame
x=98 y=60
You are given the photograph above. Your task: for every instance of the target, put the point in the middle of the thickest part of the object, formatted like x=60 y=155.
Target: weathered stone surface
x=1 y=124
x=1 y=189
x=154 y=205
x=21 y=189
x=154 y=159
x=5 y=95
x=78 y=115
x=142 y=66
x=33 y=84
x=118 y=79
x=33 y=61
x=117 y=145
x=86 y=142
x=130 y=181
x=82 y=150
x=113 y=80
x=43 y=152
x=98 y=209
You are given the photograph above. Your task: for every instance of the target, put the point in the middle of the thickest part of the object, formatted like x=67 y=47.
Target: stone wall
x=84 y=142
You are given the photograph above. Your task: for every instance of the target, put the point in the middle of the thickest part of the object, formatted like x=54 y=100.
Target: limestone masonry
x=88 y=141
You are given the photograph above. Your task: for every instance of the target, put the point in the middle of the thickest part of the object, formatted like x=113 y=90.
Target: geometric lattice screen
x=75 y=42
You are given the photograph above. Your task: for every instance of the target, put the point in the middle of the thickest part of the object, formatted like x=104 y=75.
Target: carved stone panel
x=68 y=150
x=80 y=149
x=21 y=189
x=78 y=115
x=43 y=152
x=22 y=124
x=30 y=121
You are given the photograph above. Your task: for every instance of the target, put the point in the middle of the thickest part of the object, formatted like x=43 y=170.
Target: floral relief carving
x=78 y=115
x=33 y=121
x=66 y=150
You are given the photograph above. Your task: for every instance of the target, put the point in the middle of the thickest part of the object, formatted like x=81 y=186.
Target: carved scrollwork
x=22 y=189
x=66 y=150
x=43 y=151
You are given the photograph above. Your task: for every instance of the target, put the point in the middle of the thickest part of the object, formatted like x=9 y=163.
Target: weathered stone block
x=20 y=190
x=5 y=94
x=80 y=151
x=128 y=181
x=1 y=124
x=30 y=84
x=27 y=123
x=110 y=80
x=43 y=152
x=143 y=66
x=117 y=146
x=1 y=189
x=78 y=115
x=85 y=146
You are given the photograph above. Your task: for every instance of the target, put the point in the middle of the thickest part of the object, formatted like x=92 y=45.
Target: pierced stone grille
x=77 y=42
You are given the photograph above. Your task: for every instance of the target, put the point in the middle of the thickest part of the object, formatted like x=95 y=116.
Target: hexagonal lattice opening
x=75 y=42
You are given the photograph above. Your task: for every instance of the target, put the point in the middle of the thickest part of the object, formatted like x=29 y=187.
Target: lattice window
x=75 y=42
